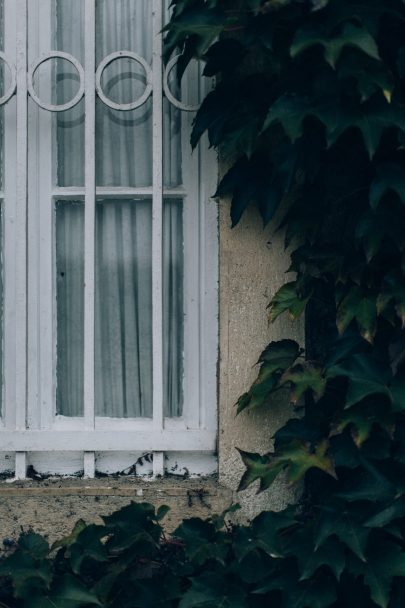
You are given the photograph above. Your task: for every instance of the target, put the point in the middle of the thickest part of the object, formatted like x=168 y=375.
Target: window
x=108 y=243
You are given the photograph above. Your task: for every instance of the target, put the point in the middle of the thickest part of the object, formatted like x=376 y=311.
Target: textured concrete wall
x=253 y=263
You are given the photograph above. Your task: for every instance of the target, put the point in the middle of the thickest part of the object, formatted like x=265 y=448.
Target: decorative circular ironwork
x=49 y=106
x=124 y=107
x=178 y=104
x=11 y=89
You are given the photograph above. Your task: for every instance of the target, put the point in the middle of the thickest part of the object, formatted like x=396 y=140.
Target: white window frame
x=29 y=423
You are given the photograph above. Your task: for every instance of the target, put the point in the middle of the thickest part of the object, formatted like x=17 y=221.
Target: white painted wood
x=89 y=222
x=40 y=228
x=104 y=441
x=117 y=192
x=158 y=464
x=21 y=221
x=157 y=217
x=209 y=307
x=10 y=232
x=20 y=471
x=191 y=235
x=89 y=210
x=89 y=465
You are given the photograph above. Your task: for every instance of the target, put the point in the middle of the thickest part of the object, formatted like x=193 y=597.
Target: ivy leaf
x=363 y=417
x=371 y=118
x=386 y=222
x=223 y=56
x=366 y=375
x=295 y=457
x=366 y=483
x=369 y=376
x=68 y=540
x=389 y=177
x=393 y=290
x=344 y=523
x=304 y=377
x=259 y=467
x=394 y=511
x=331 y=554
x=361 y=307
x=315 y=593
x=252 y=180
x=28 y=567
x=385 y=560
x=204 y=24
x=287 y=299
x=274 y=360
x=34 y=545
x=202 y=542
x=289 y=111
x=68 y=592
x=369 y=76
x=162 y=511
x=211 y=590
x=301 y=457
x=351 y=36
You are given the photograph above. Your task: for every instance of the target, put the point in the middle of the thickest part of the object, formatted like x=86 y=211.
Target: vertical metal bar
x=21 y=228
x=89 y=220
x=157 y=218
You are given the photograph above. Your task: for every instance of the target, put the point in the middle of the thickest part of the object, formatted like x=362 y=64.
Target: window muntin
x=179 y=223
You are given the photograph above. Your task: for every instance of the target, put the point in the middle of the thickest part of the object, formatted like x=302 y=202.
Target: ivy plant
x=308 y=110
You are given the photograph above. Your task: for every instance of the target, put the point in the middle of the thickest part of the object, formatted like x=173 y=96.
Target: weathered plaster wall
x=253 y=263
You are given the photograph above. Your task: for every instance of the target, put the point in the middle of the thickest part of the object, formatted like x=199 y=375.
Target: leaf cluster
x=308 y=110
x=128 y=562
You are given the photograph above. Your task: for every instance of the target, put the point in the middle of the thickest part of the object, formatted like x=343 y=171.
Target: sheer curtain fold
x=123 y=361
x=123 y=308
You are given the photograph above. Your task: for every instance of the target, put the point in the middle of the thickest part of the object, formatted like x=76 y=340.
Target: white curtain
x=123 y=315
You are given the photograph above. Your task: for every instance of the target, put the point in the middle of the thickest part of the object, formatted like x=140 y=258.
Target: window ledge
x=52 y=506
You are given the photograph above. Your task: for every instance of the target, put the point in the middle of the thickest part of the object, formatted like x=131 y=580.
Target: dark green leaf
x=351 y=36
x=287 y=300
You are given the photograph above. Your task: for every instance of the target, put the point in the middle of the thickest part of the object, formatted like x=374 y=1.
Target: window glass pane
x=123 y=361
x=69 y=35
x=173 y=316
x=69 y=235
x=124 y=139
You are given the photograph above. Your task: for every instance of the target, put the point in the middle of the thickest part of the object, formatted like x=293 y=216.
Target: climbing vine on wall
x=309 y=111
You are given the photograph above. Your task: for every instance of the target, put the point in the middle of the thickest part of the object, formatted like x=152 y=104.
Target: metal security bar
x=28 y=423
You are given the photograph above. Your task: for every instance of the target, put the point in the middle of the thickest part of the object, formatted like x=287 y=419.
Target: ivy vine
x=309 y=111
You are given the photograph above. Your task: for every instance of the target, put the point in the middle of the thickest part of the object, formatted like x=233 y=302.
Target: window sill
x=52 y=506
